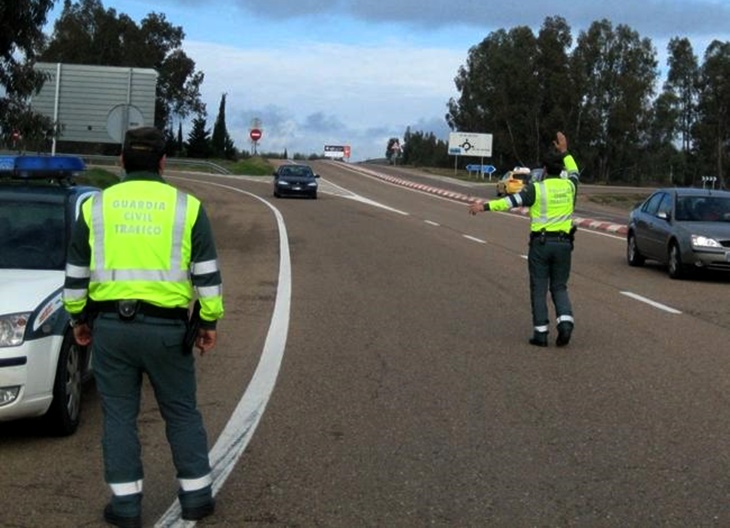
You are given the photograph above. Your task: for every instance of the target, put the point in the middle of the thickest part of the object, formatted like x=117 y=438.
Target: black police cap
x=144 y=140
x=553 y=162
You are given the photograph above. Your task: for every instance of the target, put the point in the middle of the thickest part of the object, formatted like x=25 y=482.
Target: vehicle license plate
x=297 y=188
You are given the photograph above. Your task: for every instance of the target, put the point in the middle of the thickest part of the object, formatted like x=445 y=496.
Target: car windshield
x=703 y=209
x=32 y=235
x=296 y=172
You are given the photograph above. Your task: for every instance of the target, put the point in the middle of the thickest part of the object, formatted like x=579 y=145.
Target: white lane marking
x=474 y=239
x=346 y=193
x=650 y=302
x=431 y=222
x=362 y=199
x=245 y=418
x=601 y=233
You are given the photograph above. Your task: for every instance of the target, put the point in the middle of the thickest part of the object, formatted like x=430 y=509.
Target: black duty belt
x=549 y=234
x=127 y=309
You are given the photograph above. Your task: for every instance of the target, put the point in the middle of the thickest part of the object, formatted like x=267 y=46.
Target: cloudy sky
x=357 y=72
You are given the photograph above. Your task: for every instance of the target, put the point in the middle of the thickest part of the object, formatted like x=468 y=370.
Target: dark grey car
x=685 y=228
x=295 y=180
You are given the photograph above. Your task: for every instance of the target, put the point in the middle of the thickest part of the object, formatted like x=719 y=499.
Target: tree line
x=522 y=87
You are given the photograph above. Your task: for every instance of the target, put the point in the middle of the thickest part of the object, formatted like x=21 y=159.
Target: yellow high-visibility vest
x=141 y=248
x=553 y=207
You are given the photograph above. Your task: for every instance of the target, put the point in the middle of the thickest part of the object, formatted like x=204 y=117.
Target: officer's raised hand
x=561 y=142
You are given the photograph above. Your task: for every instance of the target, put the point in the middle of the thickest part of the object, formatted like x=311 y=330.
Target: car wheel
x=633 y=256
x=63 y=415
x=677 y=270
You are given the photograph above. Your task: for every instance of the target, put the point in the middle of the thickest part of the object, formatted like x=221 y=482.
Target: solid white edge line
x=650 y=302
x=245 y=418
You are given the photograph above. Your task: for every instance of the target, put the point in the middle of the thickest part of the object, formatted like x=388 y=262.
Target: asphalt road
x=407 y=394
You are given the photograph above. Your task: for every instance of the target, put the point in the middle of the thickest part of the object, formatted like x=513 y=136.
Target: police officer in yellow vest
x=141 y=251
x=551 y=202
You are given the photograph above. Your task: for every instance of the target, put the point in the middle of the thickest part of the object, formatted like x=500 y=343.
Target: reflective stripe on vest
x=553 y=207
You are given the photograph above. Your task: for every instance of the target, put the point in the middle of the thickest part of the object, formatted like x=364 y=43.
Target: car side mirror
x=316 y=175
x=663 y=215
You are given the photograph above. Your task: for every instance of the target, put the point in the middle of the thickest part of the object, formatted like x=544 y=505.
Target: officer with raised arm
x=551 y=202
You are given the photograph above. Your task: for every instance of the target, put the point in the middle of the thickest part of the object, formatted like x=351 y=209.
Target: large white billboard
x=96 y=104
x=470 y=144
x=337 y=151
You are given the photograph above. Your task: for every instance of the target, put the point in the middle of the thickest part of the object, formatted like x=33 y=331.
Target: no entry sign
x=255 y=134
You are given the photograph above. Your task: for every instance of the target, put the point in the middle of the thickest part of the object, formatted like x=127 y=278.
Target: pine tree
x=180 y=144
x=220 y=138
x=199 y=144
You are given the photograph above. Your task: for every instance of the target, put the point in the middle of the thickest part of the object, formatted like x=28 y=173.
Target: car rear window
x=297 y=172
x=32 y=235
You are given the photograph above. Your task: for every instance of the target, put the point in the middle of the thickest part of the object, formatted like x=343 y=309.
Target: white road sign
x=470 y=144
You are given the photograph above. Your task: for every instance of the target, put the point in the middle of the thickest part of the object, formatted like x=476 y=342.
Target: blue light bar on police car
x=38 y=167
x=49 y=163
x=7 y=164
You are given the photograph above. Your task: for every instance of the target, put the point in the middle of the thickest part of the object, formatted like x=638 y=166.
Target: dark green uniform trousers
x=549 y=262
x=122 y=352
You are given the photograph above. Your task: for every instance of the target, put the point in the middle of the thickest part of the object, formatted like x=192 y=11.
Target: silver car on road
x=687 y=229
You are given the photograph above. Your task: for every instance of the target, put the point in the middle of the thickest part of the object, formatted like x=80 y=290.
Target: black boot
x=124 y=513
x=565 y=329
x=539 y=339
x=198 y=504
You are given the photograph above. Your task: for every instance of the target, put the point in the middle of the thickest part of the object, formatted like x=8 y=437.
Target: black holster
x=193 y=325
x=571 y=236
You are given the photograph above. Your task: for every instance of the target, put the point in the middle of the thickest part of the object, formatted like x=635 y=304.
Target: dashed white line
x=474 y=239
x=431 y=222
x=651 y=303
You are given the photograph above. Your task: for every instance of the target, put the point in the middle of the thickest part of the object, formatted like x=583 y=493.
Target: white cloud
x=312 y=94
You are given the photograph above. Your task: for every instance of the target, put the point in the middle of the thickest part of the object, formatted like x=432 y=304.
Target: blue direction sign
x=486 y=169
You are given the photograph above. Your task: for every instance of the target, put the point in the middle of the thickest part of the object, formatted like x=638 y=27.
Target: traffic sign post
x=255 y=134
x=709 y=180
x=470 y=144
x=482 y=170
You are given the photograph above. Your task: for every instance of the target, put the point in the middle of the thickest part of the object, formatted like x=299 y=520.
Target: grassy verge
x=619 y=201
x=97 y=177
x=254 y=166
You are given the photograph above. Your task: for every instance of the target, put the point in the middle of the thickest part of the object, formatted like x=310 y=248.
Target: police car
x=41 y=367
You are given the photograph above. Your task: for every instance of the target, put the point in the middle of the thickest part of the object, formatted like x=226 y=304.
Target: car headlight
x=282 y=183
x=701 y=241
x=12 y=329
x=312 y=184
